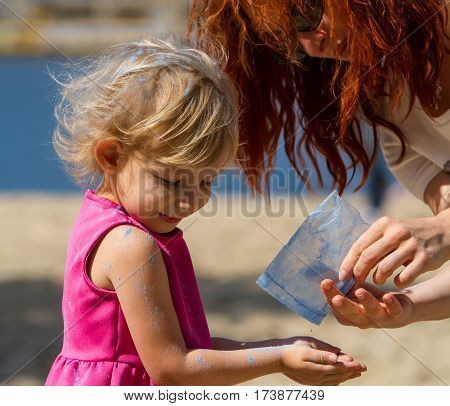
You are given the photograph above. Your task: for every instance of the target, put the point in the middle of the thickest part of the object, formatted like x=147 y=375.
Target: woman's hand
x=368 y=307
x=420 y=244
x=312 y=362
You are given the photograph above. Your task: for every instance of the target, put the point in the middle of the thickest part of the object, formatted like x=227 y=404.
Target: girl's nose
x=190 y=202
x=187 y=204
x=184 y=205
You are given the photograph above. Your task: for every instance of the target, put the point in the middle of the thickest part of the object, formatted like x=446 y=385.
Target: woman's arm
x=139 y=277
x=437 y=193
x=432 y=298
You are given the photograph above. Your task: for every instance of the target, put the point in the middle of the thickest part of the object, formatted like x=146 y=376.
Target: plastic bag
x=314 y=253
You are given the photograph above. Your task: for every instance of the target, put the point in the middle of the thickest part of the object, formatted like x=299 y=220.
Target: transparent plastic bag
x=314 y=253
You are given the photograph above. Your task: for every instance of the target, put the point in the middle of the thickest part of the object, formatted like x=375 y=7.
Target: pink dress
x=97 y=347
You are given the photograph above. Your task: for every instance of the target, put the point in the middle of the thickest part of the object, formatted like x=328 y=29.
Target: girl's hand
x=312 y=362
x=368 y=307
x=421 y=245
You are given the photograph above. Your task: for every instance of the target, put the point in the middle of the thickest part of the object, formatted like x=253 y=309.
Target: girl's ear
x=108 y=152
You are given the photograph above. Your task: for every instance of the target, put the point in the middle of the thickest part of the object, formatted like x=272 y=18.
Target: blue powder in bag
x=314 y=253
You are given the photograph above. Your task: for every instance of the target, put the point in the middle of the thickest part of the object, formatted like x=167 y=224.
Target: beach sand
x=230 y=248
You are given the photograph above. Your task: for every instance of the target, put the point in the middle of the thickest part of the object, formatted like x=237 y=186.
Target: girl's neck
x=106 y=192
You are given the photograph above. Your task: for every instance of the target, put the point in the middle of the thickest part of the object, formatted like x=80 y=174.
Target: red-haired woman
x=313 y=71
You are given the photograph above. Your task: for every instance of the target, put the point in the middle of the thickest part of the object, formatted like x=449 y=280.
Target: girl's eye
x=170 y=182
x=207 y=183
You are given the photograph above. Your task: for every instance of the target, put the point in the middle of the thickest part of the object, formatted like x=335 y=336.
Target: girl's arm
x=139 y=276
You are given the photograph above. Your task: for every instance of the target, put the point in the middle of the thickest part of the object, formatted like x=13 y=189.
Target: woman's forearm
x=431 y=298
x=437 y=193
x=444 y=220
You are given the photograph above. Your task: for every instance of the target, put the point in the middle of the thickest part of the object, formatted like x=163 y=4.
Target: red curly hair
x=279 y=97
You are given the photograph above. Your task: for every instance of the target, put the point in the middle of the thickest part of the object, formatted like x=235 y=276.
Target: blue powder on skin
x=250 y=361
x=128 y=232
x=201 y=361
x=270 y=349
x=141 y=287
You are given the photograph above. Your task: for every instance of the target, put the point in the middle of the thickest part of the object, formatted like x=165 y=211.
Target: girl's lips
x=169 y=219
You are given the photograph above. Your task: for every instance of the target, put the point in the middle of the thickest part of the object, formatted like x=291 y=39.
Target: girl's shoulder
x=123 y=246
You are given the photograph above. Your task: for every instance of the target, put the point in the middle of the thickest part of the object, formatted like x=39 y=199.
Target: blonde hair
x=163 y=101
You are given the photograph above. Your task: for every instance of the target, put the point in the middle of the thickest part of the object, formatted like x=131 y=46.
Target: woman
x=326 y=67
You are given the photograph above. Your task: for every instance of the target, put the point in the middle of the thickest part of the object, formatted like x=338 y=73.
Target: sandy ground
x=230 y=247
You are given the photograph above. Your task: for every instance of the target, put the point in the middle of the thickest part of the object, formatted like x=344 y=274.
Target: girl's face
x=318 y=44
x=161 y=196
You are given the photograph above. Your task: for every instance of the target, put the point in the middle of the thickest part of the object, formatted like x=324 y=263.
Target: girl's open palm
x=309 y=361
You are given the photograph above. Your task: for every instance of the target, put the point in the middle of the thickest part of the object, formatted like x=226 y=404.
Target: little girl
x=156 y=123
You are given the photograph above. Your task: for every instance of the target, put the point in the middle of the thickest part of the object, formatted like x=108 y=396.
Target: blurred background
x=231 y=245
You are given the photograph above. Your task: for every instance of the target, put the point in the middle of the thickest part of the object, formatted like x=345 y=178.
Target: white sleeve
x=415 y=171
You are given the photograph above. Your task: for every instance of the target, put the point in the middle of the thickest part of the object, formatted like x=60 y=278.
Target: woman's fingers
x=330 y=290
x=411 y=272
x=374 y=233
x=347 y=312
x=373 y=308
x=376 y=292
x=351 y=311
x=393 y=261
x=383 y=237
x=376 y=308
x=371 y=255
x=393 y=306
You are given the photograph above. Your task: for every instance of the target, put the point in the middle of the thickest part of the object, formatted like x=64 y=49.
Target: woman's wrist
x=410 y=299
x=430 y=300
x=443 y=225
